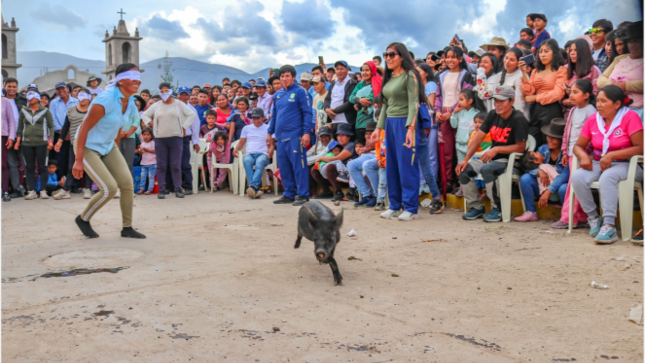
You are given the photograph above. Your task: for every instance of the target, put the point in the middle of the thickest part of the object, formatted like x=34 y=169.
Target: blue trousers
x=531 y=189
x=377 y=177
x=402 y=167
x=355 y=168
x=423 y=151
x=292 y=159
x=259 y=161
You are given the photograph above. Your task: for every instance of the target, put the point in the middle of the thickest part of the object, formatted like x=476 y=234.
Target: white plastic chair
x=242 y=178
x=506 y=181
x=196 y=160
x=625 y=196
x=232 y=171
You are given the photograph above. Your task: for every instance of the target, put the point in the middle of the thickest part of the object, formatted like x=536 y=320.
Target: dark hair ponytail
x=518 y=54
x=616 y=94
x=458 y=54
x=470 y=94
x=585 y=86
x=407 y=63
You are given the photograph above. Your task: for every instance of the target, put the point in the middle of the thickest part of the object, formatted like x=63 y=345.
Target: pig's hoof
x=338 y=283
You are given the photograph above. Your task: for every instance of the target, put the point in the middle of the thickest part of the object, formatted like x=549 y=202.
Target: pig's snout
x=321 y=254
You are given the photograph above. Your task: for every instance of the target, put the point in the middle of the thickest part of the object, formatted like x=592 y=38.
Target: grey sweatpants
x=608 y=180
x=490 y=172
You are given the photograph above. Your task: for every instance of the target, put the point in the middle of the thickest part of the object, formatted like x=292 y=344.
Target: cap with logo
x=183 y=89
x=504 y=92
x=32 y=87
x=257 y=112
x=260 y=83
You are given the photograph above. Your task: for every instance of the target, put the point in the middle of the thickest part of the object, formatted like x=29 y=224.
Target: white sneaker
x=407 y=216
x=54 y=194
x=87 y=193
x=118 y=194
x=43 y=195
x=31 y=195
x=63 y=194
x=390 y=214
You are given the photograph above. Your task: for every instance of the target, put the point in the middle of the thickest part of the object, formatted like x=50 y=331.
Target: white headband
x=131 y=75
x=84 y=96
x=33 y=94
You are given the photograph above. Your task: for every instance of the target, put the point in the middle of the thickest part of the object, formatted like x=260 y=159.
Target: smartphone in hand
x=528 y=60
x=320 y=60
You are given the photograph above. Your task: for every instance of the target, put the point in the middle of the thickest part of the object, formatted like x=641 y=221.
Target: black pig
x=317 y=223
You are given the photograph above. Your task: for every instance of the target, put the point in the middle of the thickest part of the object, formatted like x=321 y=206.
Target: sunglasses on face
x=595 y=30
x=390 y=54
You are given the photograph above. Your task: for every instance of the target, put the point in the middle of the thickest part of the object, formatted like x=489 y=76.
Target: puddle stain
x=481 y=343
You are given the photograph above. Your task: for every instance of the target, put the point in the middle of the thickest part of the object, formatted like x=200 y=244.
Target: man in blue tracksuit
x=291 y=122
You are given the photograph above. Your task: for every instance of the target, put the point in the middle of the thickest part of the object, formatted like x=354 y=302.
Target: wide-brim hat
x=324 y=131
x=344 y=129
x=496 y=42
x=633 y=31
x=555 y=128
x=94 y=78
x=371 y=126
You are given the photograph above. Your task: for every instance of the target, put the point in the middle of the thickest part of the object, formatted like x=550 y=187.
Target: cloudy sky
x=255 y=34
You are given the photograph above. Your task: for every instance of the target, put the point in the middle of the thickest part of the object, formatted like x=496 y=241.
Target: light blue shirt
x=101 y=137
x=58 y=109
x=193 y=130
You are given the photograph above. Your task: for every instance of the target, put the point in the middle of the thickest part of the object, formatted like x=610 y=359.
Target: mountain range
x=186 y=72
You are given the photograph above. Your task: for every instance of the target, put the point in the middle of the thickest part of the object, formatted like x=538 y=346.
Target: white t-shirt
x=451 y=89
x=256 y=138
x=337 y=96
x=16 y=112
x=579 y=117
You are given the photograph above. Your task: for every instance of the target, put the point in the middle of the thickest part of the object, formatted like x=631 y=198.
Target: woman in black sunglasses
x=401 y=96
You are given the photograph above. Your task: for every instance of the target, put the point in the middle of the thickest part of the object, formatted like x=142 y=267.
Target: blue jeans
x=355 y=167
x=260 y=161
x=377 y=177
x=148 y=171
x=423 y=151
x=531 y=189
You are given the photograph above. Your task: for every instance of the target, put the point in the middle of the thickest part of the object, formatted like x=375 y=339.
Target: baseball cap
x=253 y=96
x=342 y=63
x=324 y=131
x=260 y=83
x=371 y=126
x=332 y=145
x=504 y=92
x=316 y=79
x=248 y=85
x=183 y=89
x=34 y=87
x=534 y=16
x=306 y=76
x=60 y=84
x=207 y=85
x=257 y=112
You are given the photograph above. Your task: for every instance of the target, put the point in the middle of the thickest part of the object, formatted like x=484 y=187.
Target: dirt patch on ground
x=218 y=274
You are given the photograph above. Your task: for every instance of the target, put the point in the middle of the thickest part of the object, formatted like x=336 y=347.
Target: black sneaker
x=436 y=207
x=179 y=194
x=161 y=195
x=6 y=197
x=188 y=192
x=17 y=194
x=338 y=197
x=637 y=240
x=300 y=201
x=324 y=195
x=284 y=200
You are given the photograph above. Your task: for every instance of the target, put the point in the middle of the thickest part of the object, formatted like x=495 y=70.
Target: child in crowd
x=209 y=129
x=546 y=173
x=485 y=144
x=334 y=149
x=237 y=121
x=583 y=100
x=462 y=119
x=148 y=161
x=539 y=25
x=52 y=182
x=220 y=150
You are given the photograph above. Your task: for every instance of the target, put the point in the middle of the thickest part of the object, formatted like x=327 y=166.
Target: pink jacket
x=591 y=77
x=8 y=121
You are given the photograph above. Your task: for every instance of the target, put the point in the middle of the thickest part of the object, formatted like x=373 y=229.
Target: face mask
x=165 y=95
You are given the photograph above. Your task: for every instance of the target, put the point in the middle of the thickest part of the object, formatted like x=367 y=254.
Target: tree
x=166 y=75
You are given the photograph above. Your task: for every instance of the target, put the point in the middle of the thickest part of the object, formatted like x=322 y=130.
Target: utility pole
x=159 y=73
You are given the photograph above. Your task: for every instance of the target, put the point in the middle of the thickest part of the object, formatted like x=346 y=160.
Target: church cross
x=121 y=12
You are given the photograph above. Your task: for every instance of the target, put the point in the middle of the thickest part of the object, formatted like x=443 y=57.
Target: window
x=126 y=52
x=71 y=74
x=5 y=52
x=109 y=55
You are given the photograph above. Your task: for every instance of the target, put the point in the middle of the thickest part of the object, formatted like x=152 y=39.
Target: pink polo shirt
x=619 y=139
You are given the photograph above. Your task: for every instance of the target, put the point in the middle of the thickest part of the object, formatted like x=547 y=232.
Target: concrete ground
x=218 y=280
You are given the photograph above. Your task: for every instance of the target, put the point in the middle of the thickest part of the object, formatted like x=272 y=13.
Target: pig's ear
x=339 y=218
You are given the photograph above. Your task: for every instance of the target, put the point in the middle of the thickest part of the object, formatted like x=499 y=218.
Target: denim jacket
x=561 y=179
